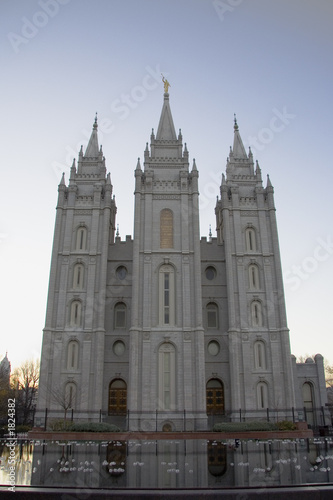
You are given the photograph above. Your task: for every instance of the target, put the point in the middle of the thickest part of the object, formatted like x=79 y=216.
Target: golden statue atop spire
x=166 y=84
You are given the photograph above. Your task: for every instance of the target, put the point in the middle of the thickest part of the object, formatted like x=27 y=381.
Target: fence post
x=305 y=415
x=100 y=416
x=45 y=419
x=128 y=417
x=267 y=414
x=72 y=415
x=322 y=411
x=156 y=422
x=240 y=414
x=184 y=426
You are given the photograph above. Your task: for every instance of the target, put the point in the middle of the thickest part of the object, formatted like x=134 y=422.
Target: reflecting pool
x=193 y=463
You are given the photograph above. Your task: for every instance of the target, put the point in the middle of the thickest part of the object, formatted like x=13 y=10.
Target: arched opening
x=307 y=392
x=166 y=377
x=262 y=396
x=117 y=397
x=72 y=355
x=215 y=397
x=212 y=311
x=166 y=228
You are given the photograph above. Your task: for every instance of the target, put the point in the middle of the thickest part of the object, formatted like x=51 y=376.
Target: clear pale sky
x=268 y=61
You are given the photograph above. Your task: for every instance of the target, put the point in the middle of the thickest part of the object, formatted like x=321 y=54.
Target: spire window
x=81 y=238
x=254 y=277
x=166 y=295
x=166 y=228
x=250 y=239
x=78 y=276
x=256 y=313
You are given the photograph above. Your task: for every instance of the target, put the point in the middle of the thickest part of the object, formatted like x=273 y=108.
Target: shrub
x=244 y=426
x=93 y=427
x=286 y=425
x=59 y=424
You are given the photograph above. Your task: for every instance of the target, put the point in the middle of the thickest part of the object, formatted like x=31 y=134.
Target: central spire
x=166 y=129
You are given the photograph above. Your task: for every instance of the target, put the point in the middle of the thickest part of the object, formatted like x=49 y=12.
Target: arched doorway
x=117 y=397
x=215 y=397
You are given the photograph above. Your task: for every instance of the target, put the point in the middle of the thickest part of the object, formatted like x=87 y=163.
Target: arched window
x=262 y=396
x=259 y=355
x=166 y=377
x=120 y=315
x=70 y=396
x=117 y=397
x=215 y=397
x=212 y=311
x=81 y=238
x=254 y=277
x=166 y=295
x=307 y=392
x=250 y=240
x=256 y=313
x=72 y=355
x=78 y=276
x=75 y=318
x=166 y=228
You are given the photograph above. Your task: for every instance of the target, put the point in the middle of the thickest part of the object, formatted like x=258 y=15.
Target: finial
x=166 y=84
x=95 y=122
x=235 y=122
x=210 y=232
x=117 y=233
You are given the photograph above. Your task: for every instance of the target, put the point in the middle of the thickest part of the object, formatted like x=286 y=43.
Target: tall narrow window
x=212 y=315
x=72 y=355
x=81 y=238
x=70 y=396
x=166 y=383
x=254 y=277
x=166 y=295
x=75 y=319
x=250 y=240
x=307 y=393
x=262 y=396
x=120 y=315
x=259 y=355
x=256 y=313
x=78 y=276
x=166 y=228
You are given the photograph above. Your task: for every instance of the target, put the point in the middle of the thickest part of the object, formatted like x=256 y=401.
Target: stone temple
x=150 y=330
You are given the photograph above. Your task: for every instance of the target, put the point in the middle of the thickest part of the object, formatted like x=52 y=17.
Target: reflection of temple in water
x=182 y=464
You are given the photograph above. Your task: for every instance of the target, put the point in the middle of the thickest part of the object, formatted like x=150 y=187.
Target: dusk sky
x=268 y=61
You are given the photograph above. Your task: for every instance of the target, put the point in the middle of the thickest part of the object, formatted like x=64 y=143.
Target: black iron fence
x=184 y=420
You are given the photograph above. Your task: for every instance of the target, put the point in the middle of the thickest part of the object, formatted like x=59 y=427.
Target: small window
x=75 y=319
x=213 y=348
x=256 y=313
x=212 y=315
x=118 y=348
x=210 y=272
x=120 y=315
x=254 y=277
x=121 y=272
x=81 y=238
x=262 y=396
x=259 y=355
x=250 y=239
x=72 y=355
x=70 y=396
x=78 y=276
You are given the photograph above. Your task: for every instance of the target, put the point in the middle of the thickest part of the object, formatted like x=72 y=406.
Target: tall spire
x=92 y=150
x=166 y=129
x=238 y=149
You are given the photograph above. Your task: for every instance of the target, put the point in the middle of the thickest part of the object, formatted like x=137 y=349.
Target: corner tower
x=259 y=348
x=167 y=344
x=72 y=360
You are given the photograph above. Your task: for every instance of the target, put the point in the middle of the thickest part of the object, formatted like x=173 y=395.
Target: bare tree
x=24 y=382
